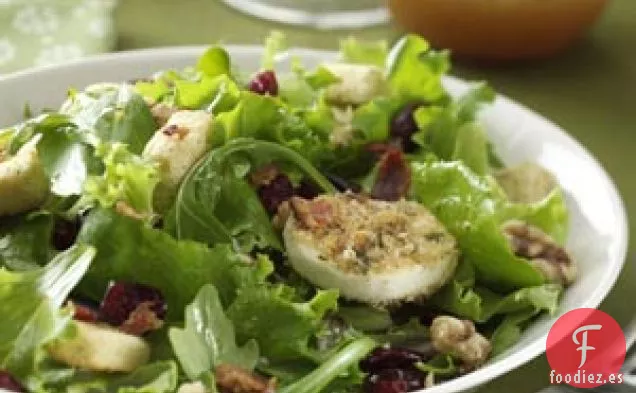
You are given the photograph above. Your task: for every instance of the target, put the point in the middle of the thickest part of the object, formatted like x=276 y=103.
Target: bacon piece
x=84 y=313
x=142 y=320
x=394 y=175
x=314 y=214
x=232 y=379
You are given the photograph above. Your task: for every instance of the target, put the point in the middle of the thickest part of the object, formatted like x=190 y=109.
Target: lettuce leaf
x=23 y=241
x=30 y=307
x=208 y=338
x=281 y=324
x=216 y=204
x=468 y=206
x=130 y=250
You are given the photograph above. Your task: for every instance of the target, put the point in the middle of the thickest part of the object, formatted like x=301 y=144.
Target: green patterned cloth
x=41 y=32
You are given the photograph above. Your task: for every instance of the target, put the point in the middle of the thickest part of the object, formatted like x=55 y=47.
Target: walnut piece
x=232 y=379
x=459 y=338
x=542 y=251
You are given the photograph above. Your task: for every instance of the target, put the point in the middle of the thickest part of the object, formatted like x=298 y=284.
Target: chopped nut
x=317 y=213
x=544 y=253
x=459 y=338
x=232 y=379
x=142 y=320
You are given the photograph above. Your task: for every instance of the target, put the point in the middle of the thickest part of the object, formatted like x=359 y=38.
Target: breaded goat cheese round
x=372 y=251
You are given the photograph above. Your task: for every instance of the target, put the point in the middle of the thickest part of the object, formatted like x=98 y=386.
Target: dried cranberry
x=7 y=382
x=307 y=190
x=64 y=233
x=394 y=176
x=343 y=184
x=387 y=358
x=403 y=126
x=264 y=83
x=122 y=299
x=394 y=380
x=276 y=192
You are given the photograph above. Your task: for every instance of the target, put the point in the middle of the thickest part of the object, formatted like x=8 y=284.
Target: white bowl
x=598 y=233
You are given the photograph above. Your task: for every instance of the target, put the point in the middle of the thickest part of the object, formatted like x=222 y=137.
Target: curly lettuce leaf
x=451 y=131
x=463 y=298
x=126 y=178
x=30 y=307
x=468 y=206
x=208 y=338
x=282 y=326
x=550 y=215
x=415 y=71
x=355 y=51
x=216 y=94
x=131 y=250
x=275 y=45
x=216 y=204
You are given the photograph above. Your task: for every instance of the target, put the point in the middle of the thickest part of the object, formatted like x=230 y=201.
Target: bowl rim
x=499 y=366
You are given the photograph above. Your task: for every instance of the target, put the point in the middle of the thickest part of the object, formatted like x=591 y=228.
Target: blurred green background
x=590 y=90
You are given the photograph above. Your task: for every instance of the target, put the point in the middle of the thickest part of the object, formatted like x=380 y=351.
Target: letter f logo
x=583 y=344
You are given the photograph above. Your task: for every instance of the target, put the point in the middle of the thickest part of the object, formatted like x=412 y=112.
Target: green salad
x=345 y=227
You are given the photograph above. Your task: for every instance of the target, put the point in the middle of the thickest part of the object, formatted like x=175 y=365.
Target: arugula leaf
x=355 y=51
x=468 y=206
x=282 y=327
x=214 y=62
x=208 y=338
x=366 y=318
x=339 y=364
x=158 y=377
x=216 y=204
x=29 y=305
x=130 y=250
x=112 y=113
x=24 y=241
